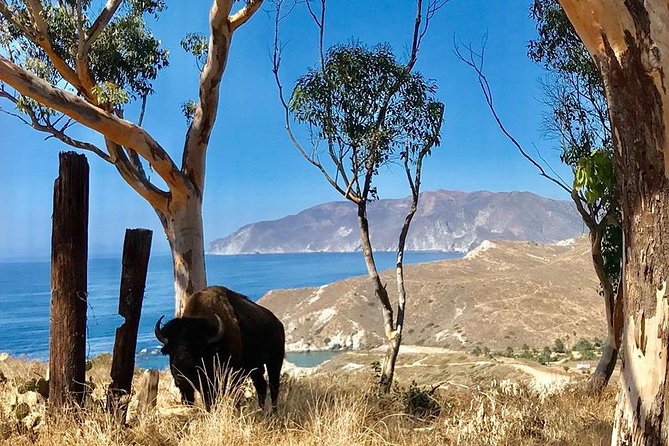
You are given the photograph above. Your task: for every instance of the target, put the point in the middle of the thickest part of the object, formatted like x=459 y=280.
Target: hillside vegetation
x=320 y=410
x=502 y=294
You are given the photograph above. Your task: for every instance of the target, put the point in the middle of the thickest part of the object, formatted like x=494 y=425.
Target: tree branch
x=102 y=21
x=88 y=38
x=158 y=198
x=8 y=14
x=244 y=14
x=276 y=63
x=199 y=132
x=43 y=40
x=477 y=66
x=51 y=129
x=118 y=130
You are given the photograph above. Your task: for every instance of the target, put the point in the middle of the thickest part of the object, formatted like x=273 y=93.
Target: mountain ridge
x=446 y=220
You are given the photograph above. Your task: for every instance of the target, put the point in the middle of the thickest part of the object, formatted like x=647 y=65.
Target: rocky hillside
x=501 y=294
x=446 y=221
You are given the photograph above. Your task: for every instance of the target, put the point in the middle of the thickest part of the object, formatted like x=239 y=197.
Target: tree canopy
x=369 y=111
x=64 y=62
x=578 y=117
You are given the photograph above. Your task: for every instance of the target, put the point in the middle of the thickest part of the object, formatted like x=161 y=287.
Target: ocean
x=25 y=295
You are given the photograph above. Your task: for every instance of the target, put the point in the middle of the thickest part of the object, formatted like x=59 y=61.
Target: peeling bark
x=629 y=41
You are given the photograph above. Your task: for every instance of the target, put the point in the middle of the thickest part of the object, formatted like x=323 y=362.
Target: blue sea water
x=25 y=295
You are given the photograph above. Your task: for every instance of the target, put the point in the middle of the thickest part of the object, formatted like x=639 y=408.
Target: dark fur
x=253 y=340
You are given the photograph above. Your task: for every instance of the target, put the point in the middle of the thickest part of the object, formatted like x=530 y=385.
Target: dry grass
x=319 y=410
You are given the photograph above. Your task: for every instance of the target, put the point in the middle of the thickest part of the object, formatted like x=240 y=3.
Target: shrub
x=559 y=346
x=419 y=402
x=583 y=345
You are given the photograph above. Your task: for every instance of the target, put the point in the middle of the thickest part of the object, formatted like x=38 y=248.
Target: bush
x=558 y=346
x=419 y=402
x=545 y=356
x=583 y=345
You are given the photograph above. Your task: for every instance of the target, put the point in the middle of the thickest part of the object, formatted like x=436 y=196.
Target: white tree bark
x=184 y=231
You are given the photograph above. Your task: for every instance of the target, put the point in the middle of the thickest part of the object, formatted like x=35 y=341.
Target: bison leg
x=274 y=375
x=258 y=378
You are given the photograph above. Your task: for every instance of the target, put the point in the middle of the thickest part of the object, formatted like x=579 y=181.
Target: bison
x=218 y=329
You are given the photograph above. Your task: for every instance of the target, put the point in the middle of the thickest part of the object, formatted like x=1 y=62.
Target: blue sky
x=253 y=172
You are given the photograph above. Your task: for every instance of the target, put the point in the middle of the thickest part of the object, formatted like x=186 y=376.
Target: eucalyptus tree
x=629 y=42
x=578 y=118
x=70 y=62
x=365 y=110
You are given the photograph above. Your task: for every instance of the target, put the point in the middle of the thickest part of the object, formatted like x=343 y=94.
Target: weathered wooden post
x=148 y=392
x=69 y=256
x=136 y=251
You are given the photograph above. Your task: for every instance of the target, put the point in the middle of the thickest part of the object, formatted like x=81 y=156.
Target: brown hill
x=502 y=294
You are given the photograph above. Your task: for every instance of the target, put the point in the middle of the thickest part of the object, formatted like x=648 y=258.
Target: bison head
x=192 y=345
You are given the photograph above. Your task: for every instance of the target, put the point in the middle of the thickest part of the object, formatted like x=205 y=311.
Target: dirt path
x=543 y=381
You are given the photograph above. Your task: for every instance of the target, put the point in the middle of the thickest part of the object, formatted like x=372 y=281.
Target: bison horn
x=159 y=332
x=220 y=329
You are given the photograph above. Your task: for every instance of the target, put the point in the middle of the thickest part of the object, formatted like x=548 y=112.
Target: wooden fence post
x=148 y=392
x=69 y=256
x=136 y=251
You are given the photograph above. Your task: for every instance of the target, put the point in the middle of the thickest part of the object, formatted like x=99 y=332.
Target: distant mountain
x=446 y=221
x=501 y=294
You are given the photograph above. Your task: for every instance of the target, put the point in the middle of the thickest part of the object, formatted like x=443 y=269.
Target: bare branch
x=142 y=110
x=51 y=130
x=546 y=163
x=87 y=39
x=276 y=63
x=475 y=61
x=101 y=22
x=320 y=24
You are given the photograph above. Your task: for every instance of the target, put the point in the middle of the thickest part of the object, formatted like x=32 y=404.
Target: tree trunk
x=379 y=289
x=388 y=368
x=607 y=362
x=69 y=263
x=630 y=43
x=185 y=233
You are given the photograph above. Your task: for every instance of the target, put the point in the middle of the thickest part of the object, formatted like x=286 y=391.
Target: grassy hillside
x=324 y=409
x=502 y=294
